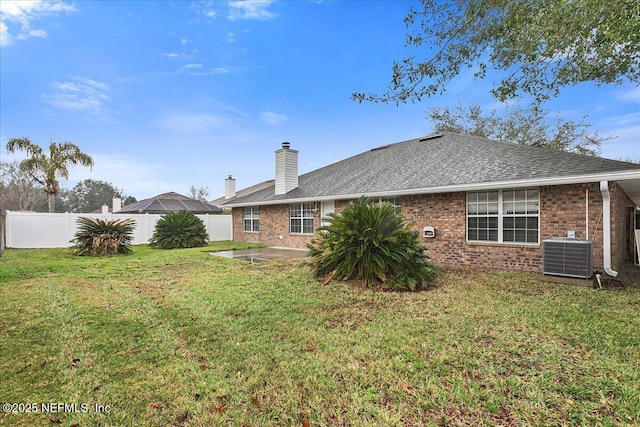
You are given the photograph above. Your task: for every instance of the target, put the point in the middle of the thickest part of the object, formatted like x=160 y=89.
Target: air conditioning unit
x=562 y=256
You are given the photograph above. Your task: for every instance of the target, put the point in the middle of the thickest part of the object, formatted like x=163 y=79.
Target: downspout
x=606 y=229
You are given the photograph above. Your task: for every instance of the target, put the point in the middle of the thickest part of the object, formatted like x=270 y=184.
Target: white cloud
x=625 y=129
x=194 y=69
x=231 y=69
x=272 y=118
x=33 y=33
x=80 y=94
x=134 y=176
x=5 y=37
x=181 y=56
x=131 y=79
x=629 y=95
x=21 y=16
x=200 y=123
x=204 y=8
x=250 y=9
x=630 y=119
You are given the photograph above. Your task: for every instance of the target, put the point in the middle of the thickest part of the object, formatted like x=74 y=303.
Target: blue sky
x=169 y=94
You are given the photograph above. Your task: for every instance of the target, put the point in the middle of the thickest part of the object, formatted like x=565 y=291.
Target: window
x=251 y=219
x=395 y=201
x=520 y=215
x=482 y=216
x=301 y=218
x=510 y=216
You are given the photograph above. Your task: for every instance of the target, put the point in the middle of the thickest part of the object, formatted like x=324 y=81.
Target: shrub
x=370 y=242
x=181 y=229
x=97 y=237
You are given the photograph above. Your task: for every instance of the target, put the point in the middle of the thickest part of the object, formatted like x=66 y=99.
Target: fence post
x=147 y=227
x=70 y=228
x=206 y=225
x=3 y=216
x=8 y=228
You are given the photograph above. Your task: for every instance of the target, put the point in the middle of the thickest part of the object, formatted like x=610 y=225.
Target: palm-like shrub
x=97 y=237
x=370 y=242
x=181 y=229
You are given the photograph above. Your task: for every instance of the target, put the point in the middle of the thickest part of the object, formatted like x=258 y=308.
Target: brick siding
x=562 y=208
x=274 y=228
x=622 y=222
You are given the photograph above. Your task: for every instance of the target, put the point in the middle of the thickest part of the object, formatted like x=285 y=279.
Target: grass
x=181 y=338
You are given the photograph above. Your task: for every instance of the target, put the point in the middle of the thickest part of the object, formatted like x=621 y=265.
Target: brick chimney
x=286 y=169
x=229 y=187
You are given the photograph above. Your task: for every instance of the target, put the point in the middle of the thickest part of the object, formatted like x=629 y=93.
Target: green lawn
x=181 y=338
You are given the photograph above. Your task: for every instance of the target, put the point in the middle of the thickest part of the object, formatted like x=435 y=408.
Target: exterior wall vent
x=562 y=256
x=426 y=138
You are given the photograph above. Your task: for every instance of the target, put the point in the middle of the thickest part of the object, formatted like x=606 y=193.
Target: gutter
x=606 y=229
x=481 y=186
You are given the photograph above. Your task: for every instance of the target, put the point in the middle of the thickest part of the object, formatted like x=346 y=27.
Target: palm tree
x=46 y=169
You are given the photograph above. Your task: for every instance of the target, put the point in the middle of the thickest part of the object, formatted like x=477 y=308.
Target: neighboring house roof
x=447 y=162
x=245 y=191
x=170 y=202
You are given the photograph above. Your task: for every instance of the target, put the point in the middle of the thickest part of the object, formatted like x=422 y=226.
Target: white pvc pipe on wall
x=586 y=214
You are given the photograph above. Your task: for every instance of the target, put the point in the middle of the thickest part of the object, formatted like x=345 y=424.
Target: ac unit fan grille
x=567 y=257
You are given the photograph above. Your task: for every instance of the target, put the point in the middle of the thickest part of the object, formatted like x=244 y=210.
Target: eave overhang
x=628 y=180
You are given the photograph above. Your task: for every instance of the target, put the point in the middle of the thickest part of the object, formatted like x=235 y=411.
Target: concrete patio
x=258 y=255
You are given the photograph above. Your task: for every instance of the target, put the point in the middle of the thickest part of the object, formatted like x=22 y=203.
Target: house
x=169 y=202
x=230 y=190
x=489 y=203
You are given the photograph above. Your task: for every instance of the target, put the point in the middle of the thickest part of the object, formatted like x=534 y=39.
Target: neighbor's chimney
x=105 y=210
x=117 y=204
x=229 y=187
x=286 y=169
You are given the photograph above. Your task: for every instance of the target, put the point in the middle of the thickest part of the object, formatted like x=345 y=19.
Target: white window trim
x=302 y=218
x=254 y=214
x=387 y=199
x=501 y=216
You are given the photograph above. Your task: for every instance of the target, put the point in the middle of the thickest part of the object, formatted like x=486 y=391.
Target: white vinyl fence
x=55 y=230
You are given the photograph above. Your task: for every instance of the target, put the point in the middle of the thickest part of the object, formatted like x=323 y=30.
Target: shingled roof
x=170 y=202
x=245 y=191
x=442 y=163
